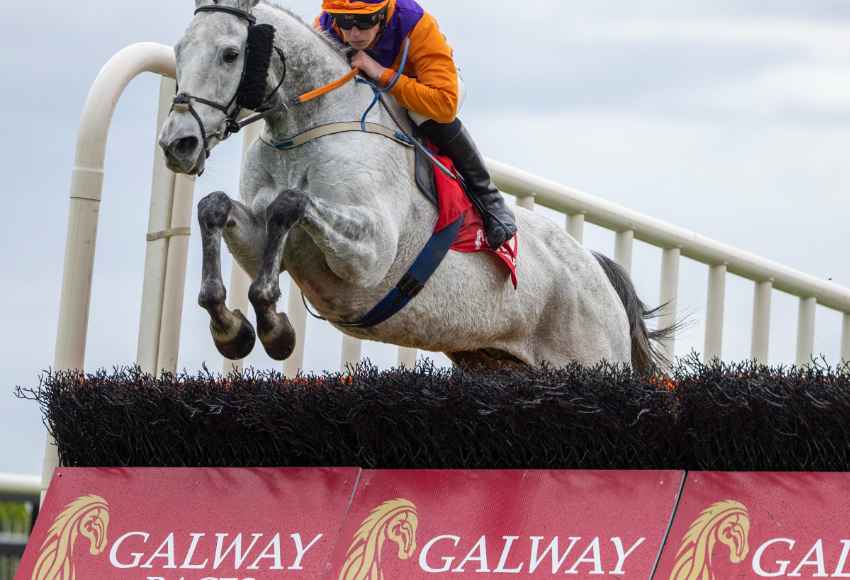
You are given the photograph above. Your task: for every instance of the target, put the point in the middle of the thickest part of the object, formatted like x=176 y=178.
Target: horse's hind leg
x=232 y=333
x=275 y=330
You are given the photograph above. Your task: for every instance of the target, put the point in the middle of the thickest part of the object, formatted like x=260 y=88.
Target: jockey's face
x=360 y=39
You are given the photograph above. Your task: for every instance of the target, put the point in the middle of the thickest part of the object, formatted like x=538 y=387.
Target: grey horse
x=343 y=216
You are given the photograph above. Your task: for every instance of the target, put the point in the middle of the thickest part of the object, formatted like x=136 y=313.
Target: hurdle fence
x=169 y=231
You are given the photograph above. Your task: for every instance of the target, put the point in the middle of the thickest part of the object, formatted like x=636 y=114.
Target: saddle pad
x=453 y=202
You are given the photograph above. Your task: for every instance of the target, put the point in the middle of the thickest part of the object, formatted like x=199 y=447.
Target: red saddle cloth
x=454 y=203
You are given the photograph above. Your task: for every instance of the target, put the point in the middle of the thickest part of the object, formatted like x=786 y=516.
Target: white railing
x=21 y=487
x=676 y=243
x=171 y=209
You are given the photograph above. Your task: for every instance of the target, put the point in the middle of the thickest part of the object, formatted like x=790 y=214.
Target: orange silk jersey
x=429 y=83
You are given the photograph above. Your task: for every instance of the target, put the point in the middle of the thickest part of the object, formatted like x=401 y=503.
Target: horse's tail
x=645 y=354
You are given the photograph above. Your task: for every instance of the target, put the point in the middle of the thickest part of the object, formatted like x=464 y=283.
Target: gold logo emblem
x=394 y=520
x=87 y=516
x=727 y=522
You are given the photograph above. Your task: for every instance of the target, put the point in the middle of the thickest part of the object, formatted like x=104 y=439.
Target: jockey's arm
x=433 y=93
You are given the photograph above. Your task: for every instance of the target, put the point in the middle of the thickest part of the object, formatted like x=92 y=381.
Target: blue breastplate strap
x=414 y=279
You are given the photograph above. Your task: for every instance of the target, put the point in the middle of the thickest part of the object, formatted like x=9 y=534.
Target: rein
x=183 y=101
x=429 y=259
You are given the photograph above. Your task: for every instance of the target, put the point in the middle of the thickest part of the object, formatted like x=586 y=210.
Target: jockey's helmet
x=354 y=6
x=362 y=14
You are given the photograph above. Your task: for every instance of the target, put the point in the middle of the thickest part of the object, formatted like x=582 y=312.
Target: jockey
x=429 y=88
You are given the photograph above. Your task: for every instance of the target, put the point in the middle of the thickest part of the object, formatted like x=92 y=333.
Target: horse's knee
x=263 y=294
x=287 y=208
x=212 y=295
x=214 y=209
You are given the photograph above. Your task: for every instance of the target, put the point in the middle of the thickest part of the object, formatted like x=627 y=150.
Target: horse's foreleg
x=276 y=332
x=354 y=246
x=357 y=246
x=232 y=333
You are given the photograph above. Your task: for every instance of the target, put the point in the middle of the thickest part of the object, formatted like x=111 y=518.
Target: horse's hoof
x=277 y=336
x=235 y=345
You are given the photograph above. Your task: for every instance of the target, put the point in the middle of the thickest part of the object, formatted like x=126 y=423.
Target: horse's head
x=94 y=526
x=734 y=532
x=222 y=68
x=402 y=530
x=727 y=522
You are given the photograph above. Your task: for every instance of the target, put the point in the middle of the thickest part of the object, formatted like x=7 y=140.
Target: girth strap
x=335 y=128
x=413 y=280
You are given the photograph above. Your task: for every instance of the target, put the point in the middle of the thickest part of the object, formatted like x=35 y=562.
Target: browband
x=235 y=11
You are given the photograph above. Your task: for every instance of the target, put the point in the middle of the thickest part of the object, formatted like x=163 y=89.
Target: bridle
x=259 y=47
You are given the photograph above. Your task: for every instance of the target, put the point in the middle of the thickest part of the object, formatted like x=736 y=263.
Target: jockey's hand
x=367 y=65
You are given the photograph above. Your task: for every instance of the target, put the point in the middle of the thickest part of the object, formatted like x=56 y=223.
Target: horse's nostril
x=184 y=147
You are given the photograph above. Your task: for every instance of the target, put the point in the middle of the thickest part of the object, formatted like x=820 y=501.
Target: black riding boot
x=454 y=140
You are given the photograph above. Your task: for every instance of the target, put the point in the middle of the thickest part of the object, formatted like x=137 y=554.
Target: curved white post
x=806 y=330
x=714 y=312
x=761 y=321
x=669 y=296
x=86 y=191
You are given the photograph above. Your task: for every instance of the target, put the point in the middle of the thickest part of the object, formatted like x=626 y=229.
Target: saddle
x=452 y=202
x=424 y=173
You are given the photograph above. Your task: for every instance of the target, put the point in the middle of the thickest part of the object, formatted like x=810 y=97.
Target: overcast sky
x=730 y=118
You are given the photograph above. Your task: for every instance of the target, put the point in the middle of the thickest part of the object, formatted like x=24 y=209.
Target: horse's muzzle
x=182 y=147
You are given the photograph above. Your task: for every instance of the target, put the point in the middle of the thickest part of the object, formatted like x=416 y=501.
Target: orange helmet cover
x=353 y=6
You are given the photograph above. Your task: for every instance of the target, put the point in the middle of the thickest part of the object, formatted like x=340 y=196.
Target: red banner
x=189 y=524
x=760 y=525
x=540 y=524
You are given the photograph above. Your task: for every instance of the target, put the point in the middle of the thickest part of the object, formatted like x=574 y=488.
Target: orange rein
x=316 y=93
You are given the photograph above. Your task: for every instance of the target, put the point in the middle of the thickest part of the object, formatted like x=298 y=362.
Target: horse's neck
x=311 y=62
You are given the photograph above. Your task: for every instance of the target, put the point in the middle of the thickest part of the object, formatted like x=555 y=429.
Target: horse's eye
x=230 y=55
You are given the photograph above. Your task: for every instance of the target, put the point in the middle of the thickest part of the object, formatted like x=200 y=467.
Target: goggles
x=361 y=21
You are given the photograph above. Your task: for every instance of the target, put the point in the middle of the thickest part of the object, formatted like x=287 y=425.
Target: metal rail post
x=714 y=312
x=669 y=296
x=761 y=321
x=806 y=330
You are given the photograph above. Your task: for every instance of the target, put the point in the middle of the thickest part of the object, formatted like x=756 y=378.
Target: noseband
x=250 y=93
